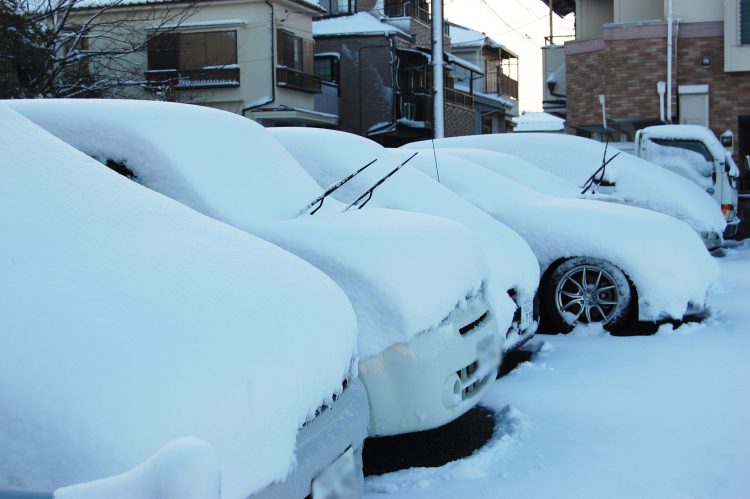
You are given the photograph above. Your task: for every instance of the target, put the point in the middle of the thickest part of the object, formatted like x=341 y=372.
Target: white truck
x=694 y=152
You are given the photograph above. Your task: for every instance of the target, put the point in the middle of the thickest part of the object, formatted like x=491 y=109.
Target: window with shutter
x=194 y=59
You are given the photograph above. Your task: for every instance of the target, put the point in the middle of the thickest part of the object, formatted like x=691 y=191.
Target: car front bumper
x=435 y=377
x=323 y=441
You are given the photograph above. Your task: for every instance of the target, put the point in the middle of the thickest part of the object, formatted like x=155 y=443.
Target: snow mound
x=667 y=281
x=328 y=156
x=232 y=169
x=128 y=321
x=637 y=182
x=187 y=468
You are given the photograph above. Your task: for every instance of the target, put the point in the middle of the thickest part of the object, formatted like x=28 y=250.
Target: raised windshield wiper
x=368 y=193
x=319 y=200
x=603 y=169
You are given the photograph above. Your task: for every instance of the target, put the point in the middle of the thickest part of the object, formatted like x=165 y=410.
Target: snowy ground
x=596 y=416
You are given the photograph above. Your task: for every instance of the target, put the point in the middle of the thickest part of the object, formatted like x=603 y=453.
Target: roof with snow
x=538 y=122
x=361 y=23
x=467 y=37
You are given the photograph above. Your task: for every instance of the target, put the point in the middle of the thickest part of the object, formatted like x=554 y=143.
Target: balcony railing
x=499 y=83
x=461 y=99
x=195 y=78
x=407 y=8
x=291 y=78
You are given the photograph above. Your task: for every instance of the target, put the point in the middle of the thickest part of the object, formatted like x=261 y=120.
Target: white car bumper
x=437 y=376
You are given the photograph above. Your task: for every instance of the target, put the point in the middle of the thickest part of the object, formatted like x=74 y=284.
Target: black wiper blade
x=368 y=193
x=592 y=179
x=319 y=200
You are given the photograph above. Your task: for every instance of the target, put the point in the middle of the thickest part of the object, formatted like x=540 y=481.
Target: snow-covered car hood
x=128 y=321
x=232 y=169
x=329 y=156
x=664 y=258
x=637 y=182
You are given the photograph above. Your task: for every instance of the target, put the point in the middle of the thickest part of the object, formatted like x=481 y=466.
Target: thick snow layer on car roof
x=128 y=320
x=330 y=155
x=231 y=168
x=519 y=170
x=677 y=269
x=638 y=182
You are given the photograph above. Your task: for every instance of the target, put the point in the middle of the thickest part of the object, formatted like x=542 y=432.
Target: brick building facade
x=625 y=65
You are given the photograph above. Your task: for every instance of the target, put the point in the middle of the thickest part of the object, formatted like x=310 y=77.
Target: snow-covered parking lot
x=592 y=415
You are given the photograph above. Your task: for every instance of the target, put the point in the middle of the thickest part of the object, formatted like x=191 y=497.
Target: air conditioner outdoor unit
x=409 y=110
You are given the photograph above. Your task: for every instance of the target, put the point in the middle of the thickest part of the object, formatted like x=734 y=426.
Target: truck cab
x=694 y=152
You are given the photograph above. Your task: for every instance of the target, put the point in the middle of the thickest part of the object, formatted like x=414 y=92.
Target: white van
x=694 y=152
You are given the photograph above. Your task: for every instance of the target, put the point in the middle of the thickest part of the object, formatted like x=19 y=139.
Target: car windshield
x=690 y=145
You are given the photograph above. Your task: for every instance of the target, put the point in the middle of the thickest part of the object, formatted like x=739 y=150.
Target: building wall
x=638 y=10
x=255 y=44
x=590 y=15
x=626 y=67
x=458 y=121
x=366 y=84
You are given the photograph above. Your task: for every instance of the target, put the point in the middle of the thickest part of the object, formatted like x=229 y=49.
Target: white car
x=428 y=344
x=149 y=351
x=601 y=262
x=329 y=156
x=625 y=179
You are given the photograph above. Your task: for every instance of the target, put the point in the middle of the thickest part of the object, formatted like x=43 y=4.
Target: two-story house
x=250 y=57
x=496 y=88
x=377 y=56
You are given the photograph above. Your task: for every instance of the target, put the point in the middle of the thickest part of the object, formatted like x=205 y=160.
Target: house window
x=194 y=59
x=295 y=66
x=744 y=22
x=338 y=7
x=327 y=68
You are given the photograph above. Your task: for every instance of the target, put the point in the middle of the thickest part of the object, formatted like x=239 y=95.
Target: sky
x=519 y=25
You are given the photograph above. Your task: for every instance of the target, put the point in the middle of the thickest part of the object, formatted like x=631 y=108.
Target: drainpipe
x=603 y=103
x=273 y=69
x=437 y=69
x=669 y=61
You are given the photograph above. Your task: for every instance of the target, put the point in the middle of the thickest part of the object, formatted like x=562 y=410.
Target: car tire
x=586 y=290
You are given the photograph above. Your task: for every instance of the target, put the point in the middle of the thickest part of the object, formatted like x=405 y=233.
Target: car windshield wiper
x=603 y=169
x=368 y=193
x=319 y=200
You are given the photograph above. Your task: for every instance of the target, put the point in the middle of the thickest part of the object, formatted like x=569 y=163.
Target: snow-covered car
x=694 y=152
x=601 y=262
x=427 y=342
x=625 y=179
x=130 y=323
x=329 y=156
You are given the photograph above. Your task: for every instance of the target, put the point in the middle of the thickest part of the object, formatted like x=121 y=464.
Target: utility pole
x=438 y=95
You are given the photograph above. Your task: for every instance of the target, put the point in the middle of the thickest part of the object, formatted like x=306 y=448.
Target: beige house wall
x=256 y=40
x=626 y=11
x=590 y=15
